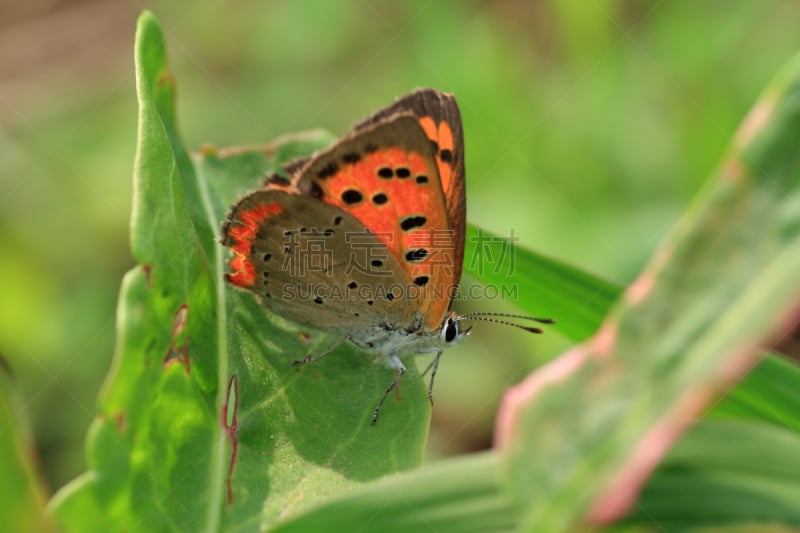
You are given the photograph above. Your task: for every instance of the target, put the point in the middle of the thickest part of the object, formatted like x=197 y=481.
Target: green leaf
x=204 y=424
x=22 y=495
x=461 y=495
x=581 y=436
x=769 y=393
x=545 y=287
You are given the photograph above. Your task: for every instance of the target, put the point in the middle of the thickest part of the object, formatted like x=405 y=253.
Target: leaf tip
x=147 y=19
x=148 y=28
x=149 y=53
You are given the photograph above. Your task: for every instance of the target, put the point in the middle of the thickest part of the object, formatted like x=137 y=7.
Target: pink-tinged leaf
x=581 y=436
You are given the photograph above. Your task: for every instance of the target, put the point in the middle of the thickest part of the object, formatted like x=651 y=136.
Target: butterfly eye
x=450 y=330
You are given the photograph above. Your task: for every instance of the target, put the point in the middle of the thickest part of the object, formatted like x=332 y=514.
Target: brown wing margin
x=442 y=108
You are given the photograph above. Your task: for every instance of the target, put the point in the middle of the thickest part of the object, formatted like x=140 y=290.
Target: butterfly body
x=365 y=239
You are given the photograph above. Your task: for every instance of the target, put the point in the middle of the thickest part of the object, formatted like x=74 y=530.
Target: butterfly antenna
x=529 y=329
x=508 y=315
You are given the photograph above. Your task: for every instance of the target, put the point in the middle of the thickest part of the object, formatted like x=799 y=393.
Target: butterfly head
x=451 y=331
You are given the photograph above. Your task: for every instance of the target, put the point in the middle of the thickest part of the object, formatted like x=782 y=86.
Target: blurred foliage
x=21 y=496
x=589 y=126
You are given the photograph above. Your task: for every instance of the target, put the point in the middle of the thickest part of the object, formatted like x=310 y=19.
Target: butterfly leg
x=311 y=358
x=434 y=366
x=400 y=370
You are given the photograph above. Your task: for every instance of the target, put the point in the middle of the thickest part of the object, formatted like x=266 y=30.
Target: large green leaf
x=204 y=424
x=581 y=436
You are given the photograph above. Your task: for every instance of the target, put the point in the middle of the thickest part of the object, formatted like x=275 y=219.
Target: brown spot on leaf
x=148 y=274
x=229 y=423
x=179 y=353
x=179 y=322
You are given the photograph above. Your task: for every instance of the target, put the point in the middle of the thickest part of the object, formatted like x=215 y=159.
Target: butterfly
x=365 y=240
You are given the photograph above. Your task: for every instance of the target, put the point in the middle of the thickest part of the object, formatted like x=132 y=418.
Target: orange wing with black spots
x=386 y=176
x=440 y=119
x=438 y=114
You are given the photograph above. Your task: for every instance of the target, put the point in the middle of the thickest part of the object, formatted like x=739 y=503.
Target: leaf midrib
x=219 y=465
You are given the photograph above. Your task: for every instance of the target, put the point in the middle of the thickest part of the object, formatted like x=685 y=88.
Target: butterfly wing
x=438 y=114
x=312 y=263
x=386 y=175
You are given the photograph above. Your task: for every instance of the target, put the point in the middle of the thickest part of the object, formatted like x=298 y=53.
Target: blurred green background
x=589 y=126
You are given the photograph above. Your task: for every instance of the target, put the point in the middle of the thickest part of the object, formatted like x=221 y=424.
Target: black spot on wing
x=413 y=221
x=328 y=170
x=316 y=191
x=416 y=254
x=352 y=196
x=351 y=157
